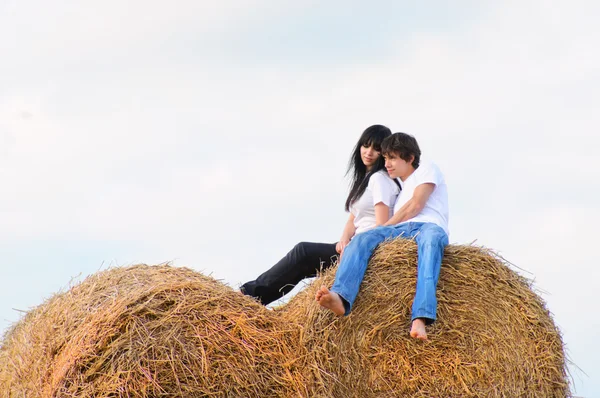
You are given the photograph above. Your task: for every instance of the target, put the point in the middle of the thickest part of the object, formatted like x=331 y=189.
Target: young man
x=420 y=212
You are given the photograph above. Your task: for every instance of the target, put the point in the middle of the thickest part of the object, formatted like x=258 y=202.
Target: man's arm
x=414 y=205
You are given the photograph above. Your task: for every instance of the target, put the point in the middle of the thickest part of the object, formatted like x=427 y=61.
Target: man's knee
x=433 y=234
x=359 y=239
x=363 y=238
x=369 y=239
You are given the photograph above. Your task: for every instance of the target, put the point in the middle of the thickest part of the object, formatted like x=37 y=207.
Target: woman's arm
x=382 y=214
x=384 y=193
x=347 y=234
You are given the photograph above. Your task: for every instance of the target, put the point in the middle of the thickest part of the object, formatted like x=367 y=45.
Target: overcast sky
x=216 y=135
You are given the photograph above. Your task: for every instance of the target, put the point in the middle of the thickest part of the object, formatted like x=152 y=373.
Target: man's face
x=398 y=167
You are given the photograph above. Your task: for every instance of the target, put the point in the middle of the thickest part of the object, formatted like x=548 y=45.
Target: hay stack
x=148 y=332
x=161 y=331
x=493 y=337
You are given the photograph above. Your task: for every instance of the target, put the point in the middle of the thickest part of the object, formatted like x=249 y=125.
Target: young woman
x=370 y=203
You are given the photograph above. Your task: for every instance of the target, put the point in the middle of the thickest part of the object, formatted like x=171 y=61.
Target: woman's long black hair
x=373 y=135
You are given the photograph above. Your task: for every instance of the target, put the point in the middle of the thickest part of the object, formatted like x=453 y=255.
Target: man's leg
x=351 y=270
x=303 y=261
x=431 y=241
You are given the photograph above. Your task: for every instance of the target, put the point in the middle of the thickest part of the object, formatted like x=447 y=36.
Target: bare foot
x=418 y=329
x=330 y=300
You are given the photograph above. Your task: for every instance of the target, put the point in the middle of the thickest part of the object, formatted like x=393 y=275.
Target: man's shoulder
x=428 y=165
x=428 y=169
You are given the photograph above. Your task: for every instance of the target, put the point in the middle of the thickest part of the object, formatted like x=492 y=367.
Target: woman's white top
x=381 y=189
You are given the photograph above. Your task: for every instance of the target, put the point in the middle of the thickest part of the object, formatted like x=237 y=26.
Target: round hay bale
x=493 y=337
x=150 y=331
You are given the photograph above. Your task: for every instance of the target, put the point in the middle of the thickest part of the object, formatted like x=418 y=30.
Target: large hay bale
x=493 y=338
x=147 y=332
x=162 y=331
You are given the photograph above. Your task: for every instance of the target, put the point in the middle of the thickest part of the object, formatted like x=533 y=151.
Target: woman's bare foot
x=330 y=300
x=418 y=329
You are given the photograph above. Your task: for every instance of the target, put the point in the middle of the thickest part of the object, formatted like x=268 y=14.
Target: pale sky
x=216 y=135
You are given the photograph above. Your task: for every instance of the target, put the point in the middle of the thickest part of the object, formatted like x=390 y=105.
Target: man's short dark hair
x=403 y=145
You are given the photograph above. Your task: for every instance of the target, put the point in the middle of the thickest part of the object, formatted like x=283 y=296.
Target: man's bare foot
x=330 y=300
x=418 y=329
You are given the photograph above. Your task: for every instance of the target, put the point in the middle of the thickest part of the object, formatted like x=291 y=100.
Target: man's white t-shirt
x=436 y=208
x=381 y=189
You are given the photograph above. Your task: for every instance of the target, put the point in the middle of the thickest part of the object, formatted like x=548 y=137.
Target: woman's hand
x=347 y=234
x=341 y=245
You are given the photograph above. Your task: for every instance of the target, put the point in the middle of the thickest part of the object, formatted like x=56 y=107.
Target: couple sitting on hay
x=392 y=195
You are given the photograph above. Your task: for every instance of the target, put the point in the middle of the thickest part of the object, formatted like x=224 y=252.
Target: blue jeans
x=431 y=241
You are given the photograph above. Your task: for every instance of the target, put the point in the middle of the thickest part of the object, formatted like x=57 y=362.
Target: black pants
x=303 y=261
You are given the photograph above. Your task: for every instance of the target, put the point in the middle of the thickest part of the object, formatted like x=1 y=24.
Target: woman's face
x=369 y=155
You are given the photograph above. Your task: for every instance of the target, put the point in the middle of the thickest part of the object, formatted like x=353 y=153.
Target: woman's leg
x=303 y=261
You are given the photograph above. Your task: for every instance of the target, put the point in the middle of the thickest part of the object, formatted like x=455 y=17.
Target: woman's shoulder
x=381 y=177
